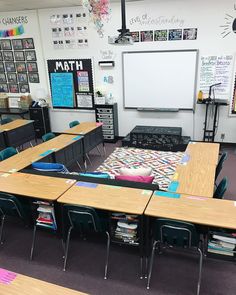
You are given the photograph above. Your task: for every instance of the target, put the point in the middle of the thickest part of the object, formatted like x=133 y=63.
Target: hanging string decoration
x=99 y=11
x=12 y=32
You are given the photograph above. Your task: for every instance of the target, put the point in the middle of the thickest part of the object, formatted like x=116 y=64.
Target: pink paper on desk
x=196 y=198
x=99 y=124
x=6 y=277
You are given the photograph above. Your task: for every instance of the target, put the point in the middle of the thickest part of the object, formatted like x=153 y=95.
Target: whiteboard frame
x=154 y=51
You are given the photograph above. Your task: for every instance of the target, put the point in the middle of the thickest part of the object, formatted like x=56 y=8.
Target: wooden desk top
x=59 y=142
x=82 y=128
x=14 y=124
x=195 y=179
x=25 y=285
x=34 y=186
x=22 y=159
x=112 y=198
x=204 y=152
x=199 y=210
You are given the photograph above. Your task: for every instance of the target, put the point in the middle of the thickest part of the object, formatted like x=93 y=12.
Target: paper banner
x=12 y=32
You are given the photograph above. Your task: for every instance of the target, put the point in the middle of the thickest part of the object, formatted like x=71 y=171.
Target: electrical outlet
x=222 y=136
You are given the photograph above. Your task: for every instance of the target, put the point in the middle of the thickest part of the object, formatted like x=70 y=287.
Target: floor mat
x=163 y=164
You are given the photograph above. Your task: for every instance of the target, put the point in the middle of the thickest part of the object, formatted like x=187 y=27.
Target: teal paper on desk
x=46 y=153
x=76 y=138
x=167 y=194
x=173 y=186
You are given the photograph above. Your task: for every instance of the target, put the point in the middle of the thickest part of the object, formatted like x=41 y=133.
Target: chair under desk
x=112 y=199
x=15 y=284
x=18 y=132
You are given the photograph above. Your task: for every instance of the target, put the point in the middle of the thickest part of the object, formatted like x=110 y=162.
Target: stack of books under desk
x=222 y=244
x=124 y=228
x=46 y=215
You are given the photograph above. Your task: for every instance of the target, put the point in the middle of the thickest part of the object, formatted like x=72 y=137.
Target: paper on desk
x=235 y=203
x=173 y=186
x=76 y=138
x=5 y=174
x=86 y=184
x=196 y=198
x=48 y=152
x=145 y=192
x=6 y=277
x=167 y=194
x=12 y=170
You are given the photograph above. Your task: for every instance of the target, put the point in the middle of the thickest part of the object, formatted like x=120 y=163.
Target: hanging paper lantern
x=99 y=10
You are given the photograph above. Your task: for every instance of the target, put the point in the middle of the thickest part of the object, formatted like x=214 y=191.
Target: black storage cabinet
x=41 y=121
x=108 y=115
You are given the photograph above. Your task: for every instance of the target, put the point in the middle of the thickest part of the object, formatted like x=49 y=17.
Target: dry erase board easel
x=160 y=80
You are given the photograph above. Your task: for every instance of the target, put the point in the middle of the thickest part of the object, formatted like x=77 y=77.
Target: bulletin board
x=71 y=83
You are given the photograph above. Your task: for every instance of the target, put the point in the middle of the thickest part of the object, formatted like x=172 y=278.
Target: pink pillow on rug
x=145 y=179
x=142 y=171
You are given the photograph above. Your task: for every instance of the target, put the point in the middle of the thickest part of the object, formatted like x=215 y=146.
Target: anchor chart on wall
x=230 y=24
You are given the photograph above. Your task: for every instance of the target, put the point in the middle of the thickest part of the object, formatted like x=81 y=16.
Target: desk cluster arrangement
x=187 y=206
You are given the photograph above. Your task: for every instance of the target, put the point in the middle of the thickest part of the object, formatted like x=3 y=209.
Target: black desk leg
x=141 y=243
x=214 y=123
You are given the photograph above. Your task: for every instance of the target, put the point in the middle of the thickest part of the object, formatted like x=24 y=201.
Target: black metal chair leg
x=33 y=243
x=151 y=264
x=1 y=230
x=67 y=247
x=107 y=255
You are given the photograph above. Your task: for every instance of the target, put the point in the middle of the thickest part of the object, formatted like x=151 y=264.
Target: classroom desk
x=13 y=111
x=110 y=198
x=25 y=285
x=34 y=186
x=67 y=148
x=194 y=178
x=26 y=158
x=92 y=134
x=199 y=210
x=203 y=152
x=106 y=197
x=18 y=132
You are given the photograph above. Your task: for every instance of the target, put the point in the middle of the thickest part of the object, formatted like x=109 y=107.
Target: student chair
x=73 y=123
x=221 y=189
x=220 y=164
x=176 y=234
x=7 y=153
x=6 y=120
x=48 y=136
x=86 y=219
x=49 y=167
x=13 y=206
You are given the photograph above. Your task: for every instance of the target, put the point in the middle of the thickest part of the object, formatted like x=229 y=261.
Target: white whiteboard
x=159 y=79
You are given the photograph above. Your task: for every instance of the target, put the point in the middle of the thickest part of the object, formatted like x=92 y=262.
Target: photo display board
x=71 y=83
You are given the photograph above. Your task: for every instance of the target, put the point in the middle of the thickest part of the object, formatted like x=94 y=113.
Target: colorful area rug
x=163 y=164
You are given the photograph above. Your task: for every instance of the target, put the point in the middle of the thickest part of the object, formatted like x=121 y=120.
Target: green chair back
x=220 y=164
x=221 y=188
x=7 y=153
x=84 y=218
x=6 y=120
x=176 y=233
x=73 y=123
x=48 y=136
x=12 y=206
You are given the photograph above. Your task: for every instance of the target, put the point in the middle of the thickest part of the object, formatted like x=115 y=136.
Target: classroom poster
x=216 y=69
x=78 y=83
x=62 y=90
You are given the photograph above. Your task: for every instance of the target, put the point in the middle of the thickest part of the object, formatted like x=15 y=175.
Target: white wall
x=207 y=16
